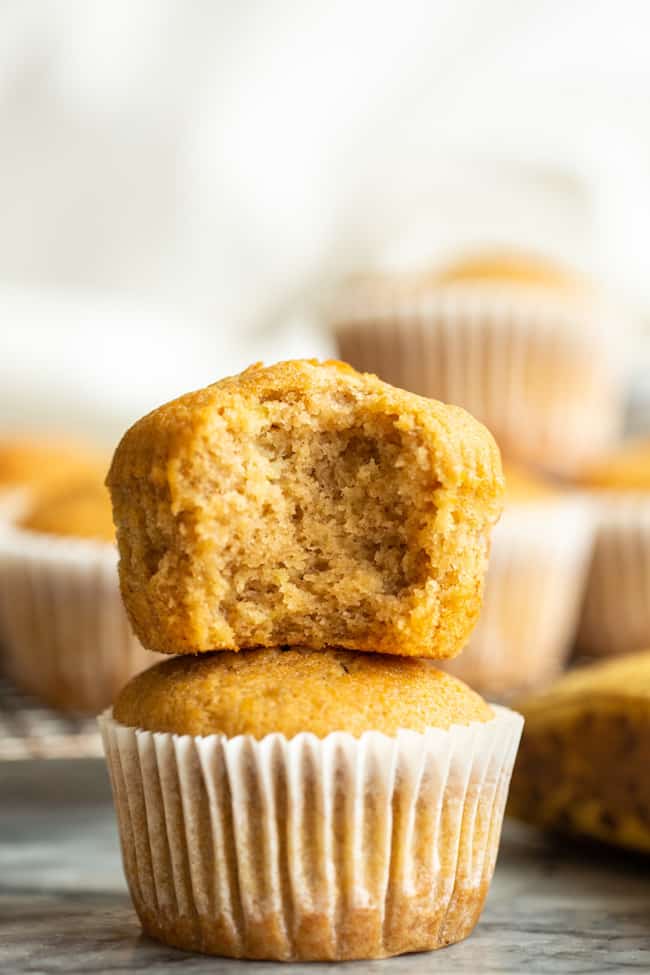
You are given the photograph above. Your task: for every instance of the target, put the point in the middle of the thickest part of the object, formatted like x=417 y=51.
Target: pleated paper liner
x=310 y=848
x=65 y=635
x=616 y=610
x=537 y=370
x=535 y=582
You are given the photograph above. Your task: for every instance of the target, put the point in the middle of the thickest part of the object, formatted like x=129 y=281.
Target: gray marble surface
x=64 y=906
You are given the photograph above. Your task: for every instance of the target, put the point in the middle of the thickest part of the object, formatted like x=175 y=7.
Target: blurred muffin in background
x=66 y=636
x=535 y=582
x=30 y=465
x=515 y=339
x=516 y=267
x=81 y=509
x=583 y=763
x=616 y=610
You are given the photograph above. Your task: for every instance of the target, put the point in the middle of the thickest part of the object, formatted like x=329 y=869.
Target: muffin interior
x=327 y=520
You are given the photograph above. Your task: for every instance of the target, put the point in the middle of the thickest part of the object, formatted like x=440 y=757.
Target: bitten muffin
x=66 y=637
x=303 y=805
x=616 y=609
x=534 y=587
x=584 y=758
x=516 y=340
x=305 y=503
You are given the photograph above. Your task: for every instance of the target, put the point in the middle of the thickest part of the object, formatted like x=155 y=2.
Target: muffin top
x=510 y=267
x=293 y=690
x=524 y=485
x=625 y=469
x=41 y=463
x=621 y=679
x=80 y=509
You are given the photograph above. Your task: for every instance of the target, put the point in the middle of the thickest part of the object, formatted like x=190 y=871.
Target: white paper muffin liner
x=65 y=635
x=537 y=370
x=534 y=586
x=311 y=848
x=616 y=609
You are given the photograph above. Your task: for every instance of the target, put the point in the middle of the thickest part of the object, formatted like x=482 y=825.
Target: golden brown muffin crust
x=80 y=509
x=305 y=503
x=257 y=692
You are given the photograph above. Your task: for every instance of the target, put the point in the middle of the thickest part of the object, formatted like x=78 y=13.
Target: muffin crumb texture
x=307 y=504
x=289 y=691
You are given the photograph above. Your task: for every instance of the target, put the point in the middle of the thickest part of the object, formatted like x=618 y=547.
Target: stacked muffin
x=301 y=783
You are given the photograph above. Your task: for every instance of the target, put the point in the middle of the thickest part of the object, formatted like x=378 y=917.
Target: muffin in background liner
x=615 y=616
x=65 y=635
x=535 y=582
x=535 y=366
x=311 y=848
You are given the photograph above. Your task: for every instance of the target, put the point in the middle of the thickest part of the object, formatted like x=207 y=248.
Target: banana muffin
x=80 y=509
x=584 y=757
x=517 y=340
x=66 y=637
x=616 y=609
x=512 y=266
x=32 y=465
x=300 y=805
x=305 y=503
x=535 y=583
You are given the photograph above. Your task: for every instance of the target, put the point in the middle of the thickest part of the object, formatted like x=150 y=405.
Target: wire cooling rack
x=29 y=730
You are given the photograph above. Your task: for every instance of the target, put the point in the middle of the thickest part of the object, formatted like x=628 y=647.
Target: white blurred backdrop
x=180 y=182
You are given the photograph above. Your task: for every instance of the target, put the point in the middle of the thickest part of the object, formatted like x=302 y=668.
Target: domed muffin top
x=524 y=485
x=305 y=504
x=625 y=469
x=41 y=463
x=625 y=678
x=80 y=508
x=257 y=692
x=510 y=267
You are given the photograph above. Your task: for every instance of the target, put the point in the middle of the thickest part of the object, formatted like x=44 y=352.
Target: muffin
x=80 y=509
x=305 y=503
x=584 y=757
x=534 y=587
x=65 y=633
x=29 y=466
x=513 y=267
x=515 y=340
x=295 y=804
x=615 y=614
